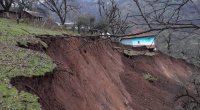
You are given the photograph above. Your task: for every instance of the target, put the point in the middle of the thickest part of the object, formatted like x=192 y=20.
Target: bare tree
x=165 y=38
x=160 y=15
x=6 y=4
x=60 y=7
x=111 y=13
x=25 y=4
x=86 y=22
x=157 y=16
x=189 y=96
x=22 y=5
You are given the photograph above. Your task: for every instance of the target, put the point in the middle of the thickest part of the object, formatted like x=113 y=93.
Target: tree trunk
x=62 y=20
x=6 y=4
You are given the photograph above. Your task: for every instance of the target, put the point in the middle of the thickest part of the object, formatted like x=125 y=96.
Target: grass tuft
x=150 y=78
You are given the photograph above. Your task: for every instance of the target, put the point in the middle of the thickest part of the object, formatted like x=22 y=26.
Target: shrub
x=150 y=78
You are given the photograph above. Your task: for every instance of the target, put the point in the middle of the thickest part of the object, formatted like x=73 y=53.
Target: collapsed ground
x=82 y=74
x=15 y=61
x=92 y=75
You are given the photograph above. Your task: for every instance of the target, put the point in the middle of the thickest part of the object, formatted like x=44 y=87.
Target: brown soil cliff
x=91 y=75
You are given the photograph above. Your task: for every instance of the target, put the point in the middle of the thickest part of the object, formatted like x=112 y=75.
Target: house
x=67 y=24
x=32 y=15
x=140 y=42
x=27 y=15
x=105 y=35
x=10 y=14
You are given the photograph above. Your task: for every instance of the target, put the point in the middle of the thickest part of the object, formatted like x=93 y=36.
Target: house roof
x=32 y=13
x=140 y=35
x=35 y=14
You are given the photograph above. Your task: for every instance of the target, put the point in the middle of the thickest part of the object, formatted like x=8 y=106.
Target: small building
x=27 y=15
x=140 y=42
x=9 y=14
x=67 y=24
x=31 y=15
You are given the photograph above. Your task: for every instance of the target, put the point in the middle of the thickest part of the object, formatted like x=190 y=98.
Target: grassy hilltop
x=15 y=61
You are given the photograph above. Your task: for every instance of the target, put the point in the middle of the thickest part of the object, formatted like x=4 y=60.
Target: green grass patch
x=11 y=99
x=10 y=32
x=15 y=61
x=10 y=27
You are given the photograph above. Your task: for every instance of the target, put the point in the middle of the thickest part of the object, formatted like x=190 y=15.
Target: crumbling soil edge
x=30 y=84
x=45 y=82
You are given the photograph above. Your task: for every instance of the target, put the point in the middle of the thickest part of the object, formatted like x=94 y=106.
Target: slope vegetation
x=15 y=61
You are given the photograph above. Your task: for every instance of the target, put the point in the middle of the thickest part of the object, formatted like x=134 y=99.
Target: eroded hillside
x=92 y=75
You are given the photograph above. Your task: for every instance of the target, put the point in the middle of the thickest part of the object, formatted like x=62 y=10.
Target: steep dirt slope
x=160 y=94
x=93 y=76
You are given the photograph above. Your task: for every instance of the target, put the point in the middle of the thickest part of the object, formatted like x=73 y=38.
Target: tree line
x=151 y=15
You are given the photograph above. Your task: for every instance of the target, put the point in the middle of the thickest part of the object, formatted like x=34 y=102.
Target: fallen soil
x=92 y=75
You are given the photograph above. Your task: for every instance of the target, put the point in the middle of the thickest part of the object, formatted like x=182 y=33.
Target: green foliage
x=150 y=78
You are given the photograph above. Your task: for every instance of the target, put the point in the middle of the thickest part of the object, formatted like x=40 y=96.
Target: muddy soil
x=92 y=75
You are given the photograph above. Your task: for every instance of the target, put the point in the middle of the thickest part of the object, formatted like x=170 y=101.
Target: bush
x=150 y=78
